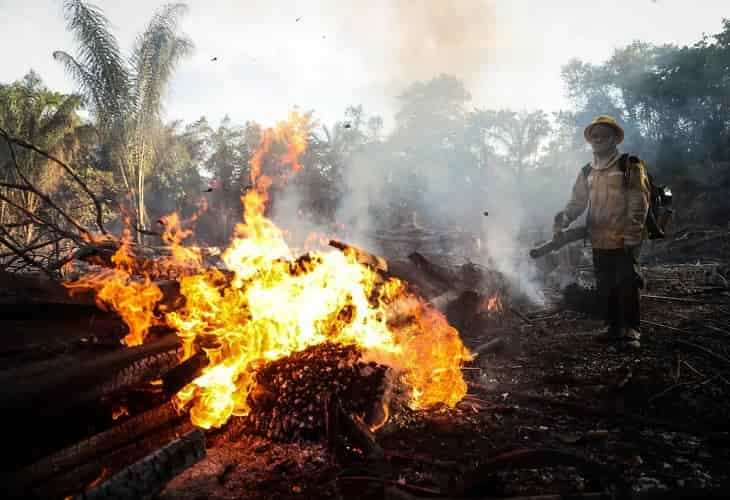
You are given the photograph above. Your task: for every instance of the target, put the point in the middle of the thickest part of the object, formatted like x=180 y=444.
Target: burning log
x=90 y=380
x=145 y=257
x=288 y=402
x=363 y=256
x=184 y=373
x=99 y=444
x=149 y=476
x=24 y=294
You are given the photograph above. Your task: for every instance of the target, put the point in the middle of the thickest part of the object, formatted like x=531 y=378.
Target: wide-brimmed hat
x=604 y=120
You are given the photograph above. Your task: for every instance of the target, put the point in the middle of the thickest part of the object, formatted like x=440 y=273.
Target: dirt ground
x=555 y=411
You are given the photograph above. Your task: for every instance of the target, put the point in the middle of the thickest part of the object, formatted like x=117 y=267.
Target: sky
x=325 y=55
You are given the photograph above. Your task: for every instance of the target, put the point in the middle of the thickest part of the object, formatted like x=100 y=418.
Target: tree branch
x=97 y=205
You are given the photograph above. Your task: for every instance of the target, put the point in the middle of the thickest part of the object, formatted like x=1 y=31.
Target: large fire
x=272 y=302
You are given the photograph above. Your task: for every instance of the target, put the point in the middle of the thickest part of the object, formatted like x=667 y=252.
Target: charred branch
x=149 y=476
x=11 y=141
x=97 y=445
x=77 y=479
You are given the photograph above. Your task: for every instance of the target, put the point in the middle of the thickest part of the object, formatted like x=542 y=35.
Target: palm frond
x=98 y=56
x=90 y=88
x=61 y=119
x=155 y=56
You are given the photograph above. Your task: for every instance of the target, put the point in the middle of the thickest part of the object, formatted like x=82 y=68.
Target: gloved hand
x=558 y=223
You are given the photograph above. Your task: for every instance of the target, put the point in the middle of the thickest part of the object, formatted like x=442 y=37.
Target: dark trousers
x=618 y=280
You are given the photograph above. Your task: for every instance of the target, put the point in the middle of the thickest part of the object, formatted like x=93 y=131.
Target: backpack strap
x=623 y=164
x=586 y=171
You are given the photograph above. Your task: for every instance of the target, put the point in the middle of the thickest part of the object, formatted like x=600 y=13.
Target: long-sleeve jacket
x=616 y=209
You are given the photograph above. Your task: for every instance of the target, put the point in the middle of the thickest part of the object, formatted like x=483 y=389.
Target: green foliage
x=47 y=119
x=177 y=184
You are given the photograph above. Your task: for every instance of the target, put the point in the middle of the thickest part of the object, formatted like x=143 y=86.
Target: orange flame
x=133 y=300
x=386 y=416
x=492 y=304
x=99 y=479
x=120 y=411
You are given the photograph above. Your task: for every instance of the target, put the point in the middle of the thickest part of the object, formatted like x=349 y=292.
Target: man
x=614 y=189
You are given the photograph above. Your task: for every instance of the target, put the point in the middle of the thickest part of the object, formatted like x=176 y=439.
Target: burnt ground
x=555 y=411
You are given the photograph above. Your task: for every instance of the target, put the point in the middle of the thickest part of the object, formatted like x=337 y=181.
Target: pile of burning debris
x=158 y=345
x=124 y=403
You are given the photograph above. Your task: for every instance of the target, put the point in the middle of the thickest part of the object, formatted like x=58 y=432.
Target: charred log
x=363 y=256
x=462 y=312
x=77 y=479
x=99 y=444
x=146 y=478
x=441 y=302
x=184 y=373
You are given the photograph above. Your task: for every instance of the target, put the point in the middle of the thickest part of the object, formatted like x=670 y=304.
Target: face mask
x=602 y=139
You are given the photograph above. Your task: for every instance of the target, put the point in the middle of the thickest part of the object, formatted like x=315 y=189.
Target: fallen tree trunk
x=148 y=477
x=97 y=445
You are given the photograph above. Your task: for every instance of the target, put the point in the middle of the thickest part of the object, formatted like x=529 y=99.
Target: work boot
x=610 y=334
x=631 y=337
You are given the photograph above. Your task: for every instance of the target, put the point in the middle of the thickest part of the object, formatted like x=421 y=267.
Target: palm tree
x=125 y=97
